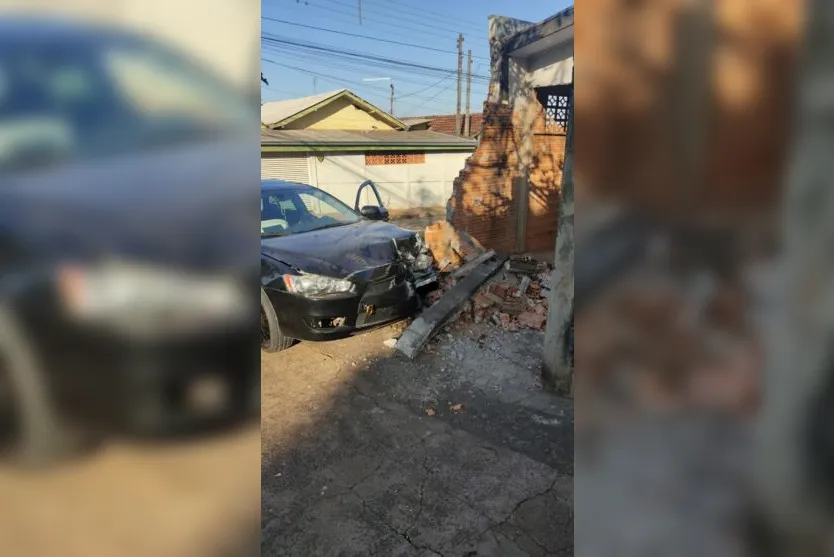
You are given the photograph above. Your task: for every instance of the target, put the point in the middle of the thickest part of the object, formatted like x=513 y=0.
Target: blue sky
x=299 y=60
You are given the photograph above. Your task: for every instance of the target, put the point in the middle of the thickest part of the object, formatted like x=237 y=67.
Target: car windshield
x=64 y=101
x=296 y=210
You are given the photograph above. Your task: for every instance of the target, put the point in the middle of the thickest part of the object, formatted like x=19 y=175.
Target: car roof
x=276 y=185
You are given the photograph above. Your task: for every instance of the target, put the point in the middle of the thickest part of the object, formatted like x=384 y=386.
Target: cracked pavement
x=352 y=464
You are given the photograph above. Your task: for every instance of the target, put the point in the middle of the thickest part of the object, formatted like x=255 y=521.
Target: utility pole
x=460 y=78
x=468 y=120
x=392 y=99
x=360 y=12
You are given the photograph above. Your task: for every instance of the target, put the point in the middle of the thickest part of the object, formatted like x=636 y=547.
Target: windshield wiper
x=332 y=225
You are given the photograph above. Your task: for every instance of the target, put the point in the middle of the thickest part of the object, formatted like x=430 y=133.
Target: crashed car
x=329 y=271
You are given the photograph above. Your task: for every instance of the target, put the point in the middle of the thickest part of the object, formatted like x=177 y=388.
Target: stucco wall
x=402 y=186
x=552 y=67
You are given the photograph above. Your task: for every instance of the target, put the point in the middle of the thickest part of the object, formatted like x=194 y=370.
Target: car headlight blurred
x=137 y=296
x=313 y=286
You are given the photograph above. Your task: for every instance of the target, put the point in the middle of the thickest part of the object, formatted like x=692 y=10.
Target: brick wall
x=629 y=104
x=545 y=181
x=484 y=202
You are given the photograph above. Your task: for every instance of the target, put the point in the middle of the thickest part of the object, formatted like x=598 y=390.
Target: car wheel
x=272 y=340
x=31 y=433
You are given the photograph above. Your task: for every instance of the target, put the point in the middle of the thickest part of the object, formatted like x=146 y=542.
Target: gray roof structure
x=336 y=140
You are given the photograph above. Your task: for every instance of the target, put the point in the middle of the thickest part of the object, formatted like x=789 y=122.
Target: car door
x=370 y=212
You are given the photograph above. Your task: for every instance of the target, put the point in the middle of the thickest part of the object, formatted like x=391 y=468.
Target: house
x=445 y=123
x=337 y=140
x=507 y=196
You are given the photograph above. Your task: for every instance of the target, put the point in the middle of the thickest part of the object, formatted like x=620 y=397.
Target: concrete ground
x=457 y=453
x=188 y=499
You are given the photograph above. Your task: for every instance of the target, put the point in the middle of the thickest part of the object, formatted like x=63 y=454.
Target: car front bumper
x=337 y=317
x=113 y=384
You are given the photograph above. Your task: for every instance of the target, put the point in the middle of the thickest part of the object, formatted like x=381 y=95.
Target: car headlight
x=147 y=297
x=313 y=286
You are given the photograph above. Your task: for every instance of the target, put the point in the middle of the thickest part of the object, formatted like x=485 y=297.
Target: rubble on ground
x=515 y=298
x=451 y=248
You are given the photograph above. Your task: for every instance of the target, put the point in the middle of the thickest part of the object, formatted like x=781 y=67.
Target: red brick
x=480 y=301
x=500 y=289
x=532 y=320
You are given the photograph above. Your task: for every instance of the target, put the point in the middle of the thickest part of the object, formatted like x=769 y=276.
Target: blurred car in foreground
x=329 y=271
x=127 y=241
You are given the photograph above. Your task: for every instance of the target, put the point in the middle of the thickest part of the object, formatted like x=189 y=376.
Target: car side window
x=319 y=207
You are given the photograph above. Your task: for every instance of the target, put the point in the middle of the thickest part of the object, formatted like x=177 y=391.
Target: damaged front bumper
x=414 y=254
x=381 y=295
x=389 y=296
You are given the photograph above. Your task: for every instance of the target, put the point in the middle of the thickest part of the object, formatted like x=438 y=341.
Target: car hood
x=341 y=251
x=189 y=206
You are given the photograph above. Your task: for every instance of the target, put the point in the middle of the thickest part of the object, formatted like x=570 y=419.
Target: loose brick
x=532 y=320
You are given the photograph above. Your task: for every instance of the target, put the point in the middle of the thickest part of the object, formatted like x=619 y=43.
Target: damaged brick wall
x=632 y=104
x=513 y=144
x=484 y=202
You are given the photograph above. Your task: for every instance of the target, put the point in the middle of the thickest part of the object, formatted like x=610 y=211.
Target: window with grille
x=378 y=159
x=557 y=106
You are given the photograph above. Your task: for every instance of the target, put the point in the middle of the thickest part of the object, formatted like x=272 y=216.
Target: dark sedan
x=126 y=250
x=329 y=271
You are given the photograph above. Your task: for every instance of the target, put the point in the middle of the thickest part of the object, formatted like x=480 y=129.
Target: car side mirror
x=372 y=212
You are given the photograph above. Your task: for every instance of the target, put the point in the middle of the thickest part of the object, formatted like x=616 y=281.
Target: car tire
x=273 y=340
x=42 y=438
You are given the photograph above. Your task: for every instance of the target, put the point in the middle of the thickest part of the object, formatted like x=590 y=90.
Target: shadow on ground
x=457 y=453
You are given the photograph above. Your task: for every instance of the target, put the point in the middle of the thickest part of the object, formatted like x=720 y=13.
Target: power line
x=435 y=96
x=415 y=93
x=276 y=20
x=353 y=71
x=302 y=58
x=352 y=15
x=364 y=56
x=422 y=11
x=355 y=84
x=399 y=17
x=354 y=66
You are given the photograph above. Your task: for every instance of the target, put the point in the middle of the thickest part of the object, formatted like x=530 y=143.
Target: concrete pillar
x=795 y=422
x=557 y=369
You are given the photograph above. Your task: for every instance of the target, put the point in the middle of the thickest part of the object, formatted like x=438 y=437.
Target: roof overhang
x=363 y=147
x=538 y=38
x=370 y=108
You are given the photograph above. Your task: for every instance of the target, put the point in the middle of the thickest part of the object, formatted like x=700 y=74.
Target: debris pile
x=451 y=248
x=515 y=298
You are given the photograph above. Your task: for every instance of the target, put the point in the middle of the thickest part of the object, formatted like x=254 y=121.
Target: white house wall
x=402 y=186
x=551 y=67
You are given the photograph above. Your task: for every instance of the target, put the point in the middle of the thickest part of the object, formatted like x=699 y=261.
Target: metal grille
x=557 y=106
x=378 y=159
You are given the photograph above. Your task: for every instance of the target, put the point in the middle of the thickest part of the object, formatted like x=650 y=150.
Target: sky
x=315 y=46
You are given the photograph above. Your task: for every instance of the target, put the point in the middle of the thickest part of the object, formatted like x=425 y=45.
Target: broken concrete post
x=557 y=367
x=432 y=320
x=795 y=444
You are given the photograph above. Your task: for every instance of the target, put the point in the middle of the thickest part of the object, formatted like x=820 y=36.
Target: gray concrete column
x=557 y=368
